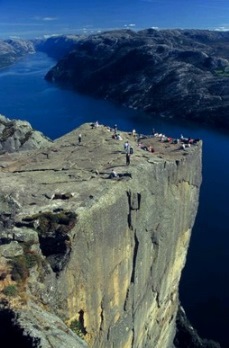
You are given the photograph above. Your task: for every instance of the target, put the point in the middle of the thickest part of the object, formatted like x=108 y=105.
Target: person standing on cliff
x=126 y=146
x=79 y=139
x=127 y=158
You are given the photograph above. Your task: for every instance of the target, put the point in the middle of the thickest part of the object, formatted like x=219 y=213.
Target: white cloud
x=49 y=18
x=37 y=18
x=223 y=28
x=14 y=37
x=131 y=25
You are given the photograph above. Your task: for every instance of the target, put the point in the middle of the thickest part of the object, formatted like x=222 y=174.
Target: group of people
x=128 y=149
x=146 y=148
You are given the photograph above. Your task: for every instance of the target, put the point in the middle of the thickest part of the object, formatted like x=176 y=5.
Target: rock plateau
x=85 y=255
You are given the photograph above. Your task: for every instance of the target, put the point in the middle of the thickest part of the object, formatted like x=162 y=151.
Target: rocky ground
x=17 y=135
x=41 y=189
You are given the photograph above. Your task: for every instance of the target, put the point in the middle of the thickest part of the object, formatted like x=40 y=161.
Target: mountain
x=179 y=74
x=57 y=46
x=12 y=50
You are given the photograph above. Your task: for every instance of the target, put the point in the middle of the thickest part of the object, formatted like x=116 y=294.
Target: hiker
x=127 y=158
x=118 y=137
x=150 y=149
x=185 y=146
x=113 y=174
x=126 y=146
x=79 y=138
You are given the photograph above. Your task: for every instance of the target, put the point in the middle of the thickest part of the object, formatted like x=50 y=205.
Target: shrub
x=10 y=290
x=77 y=327
x=31 y=259
x=19 y=271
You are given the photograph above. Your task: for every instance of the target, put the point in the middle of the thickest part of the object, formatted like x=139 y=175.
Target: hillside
x=179 y=74
x=12 y=50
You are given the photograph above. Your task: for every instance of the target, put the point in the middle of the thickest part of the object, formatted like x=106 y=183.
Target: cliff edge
x=85 y=255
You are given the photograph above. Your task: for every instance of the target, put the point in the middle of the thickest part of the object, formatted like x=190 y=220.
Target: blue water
x=204 y=290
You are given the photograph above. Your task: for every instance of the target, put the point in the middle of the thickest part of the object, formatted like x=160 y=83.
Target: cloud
x=131 y=25
x=14 y=37
x=45 y=19
x=49 y=18
x=222 y=28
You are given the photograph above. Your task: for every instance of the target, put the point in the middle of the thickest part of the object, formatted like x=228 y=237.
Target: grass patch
x=19 y=268
x=221 y=73
x=62 y=222
x=77 y=327
x=10 y=290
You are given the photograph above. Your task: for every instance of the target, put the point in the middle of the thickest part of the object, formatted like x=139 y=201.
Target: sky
x=37 y=18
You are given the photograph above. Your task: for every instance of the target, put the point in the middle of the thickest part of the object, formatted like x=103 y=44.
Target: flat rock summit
x=92 y=261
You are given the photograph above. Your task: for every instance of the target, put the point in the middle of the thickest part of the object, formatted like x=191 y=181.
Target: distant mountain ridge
x=12 y=50
x=180 y=74
x=174 y=73
x=57 y=46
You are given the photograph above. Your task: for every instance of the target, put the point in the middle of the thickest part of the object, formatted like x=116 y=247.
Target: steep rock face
x=114 y=249
x=57 y=46
x=176 y=73
x=12 y=50
x=17 y=135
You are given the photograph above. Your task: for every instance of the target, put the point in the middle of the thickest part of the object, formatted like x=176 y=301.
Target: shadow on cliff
x=187 y=336
x=12 y=335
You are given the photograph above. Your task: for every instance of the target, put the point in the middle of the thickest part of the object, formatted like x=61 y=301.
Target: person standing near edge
x=79 y=139
x=128 y=158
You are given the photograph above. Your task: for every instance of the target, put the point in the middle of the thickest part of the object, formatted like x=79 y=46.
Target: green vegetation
x=19 y=268
x=222 y=72
x=20 y=265
x=10 y=290
x=31 y=257
x=77 y=327
x=62 y=222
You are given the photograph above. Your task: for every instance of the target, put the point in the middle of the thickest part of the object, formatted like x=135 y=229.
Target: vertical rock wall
x=128 y=253
x=91 y=256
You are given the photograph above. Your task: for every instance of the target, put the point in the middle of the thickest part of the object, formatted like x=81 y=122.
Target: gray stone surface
x=17 y=135
x=121 y=243
x=48 y=328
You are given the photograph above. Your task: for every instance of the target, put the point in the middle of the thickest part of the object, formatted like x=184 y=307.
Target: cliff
x=57 y=46
x=83 y=253
x=174 y=73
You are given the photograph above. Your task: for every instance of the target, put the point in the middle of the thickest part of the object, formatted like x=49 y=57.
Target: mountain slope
x=12 y=50
x=175 y=73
